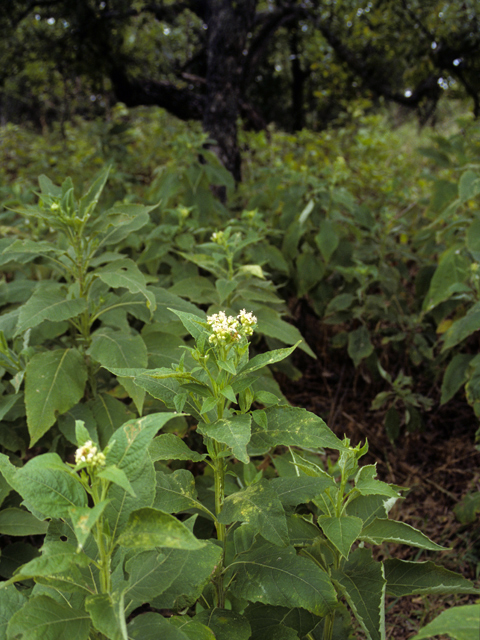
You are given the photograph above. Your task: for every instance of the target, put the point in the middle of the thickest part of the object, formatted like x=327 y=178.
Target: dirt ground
x=438 y=466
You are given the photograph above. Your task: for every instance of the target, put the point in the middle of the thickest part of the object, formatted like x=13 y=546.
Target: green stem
x=219 y=474
x=328 y=626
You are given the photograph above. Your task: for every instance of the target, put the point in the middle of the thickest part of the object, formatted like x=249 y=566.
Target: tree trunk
x=229 y=23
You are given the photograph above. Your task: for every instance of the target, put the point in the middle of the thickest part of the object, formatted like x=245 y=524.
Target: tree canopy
x=291 y=62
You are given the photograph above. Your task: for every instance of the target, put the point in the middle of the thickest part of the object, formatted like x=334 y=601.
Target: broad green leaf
x=177 y=492
x=455 y=375
x=367 y=485
x=120 y=221
x=56 y=557
x=468 y=185
x=339 y=303
x=48 y=303
x=453 y=270
x=167 y=302
x=473 y=238
x=192 y=628
x=310 y=270
x=342 y=532
x=84 y=518
x=460 y=623
x=109 y=414
x=234 y=431
x=129 y=443
x=152 y=626
x=11 y=601
x=226 y=624
x=466 y=510
x=265 y=359
x=359 y=345
x=260 y=506
x=278 y=576
x=54 y=383
x=385 y=530
x=327 y=239
x=149 y=527
x=267 y=621
x=168 y=446
x=367 y=507
x=296 y=427
x=299 y=489
x=191 y=572
x=107 y=613
x=192 y=323
x=18 y=522
x=462 y=328
x=43 y=618
x=117 y=476
x=125 y=274
x=362 y=582
x=271 y=324
x=89 y=201
x=406 y=578
x=46 y=485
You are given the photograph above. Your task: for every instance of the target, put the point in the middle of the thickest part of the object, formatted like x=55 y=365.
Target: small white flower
x=89 y=453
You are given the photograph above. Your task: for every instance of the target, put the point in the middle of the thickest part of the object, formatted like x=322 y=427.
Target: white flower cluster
x=227 y=329
x=89 y=453
x=218 y=237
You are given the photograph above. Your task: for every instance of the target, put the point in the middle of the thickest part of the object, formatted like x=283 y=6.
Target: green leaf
x=460 y=623
x=168 y=446
x=359 y=345
x=191 y=572
x=107 y=613
x=226 y=624
x=125 y=274
x=258 y=505
x=193 y=629
x=327 y=239
x=468 y=185
x=265 y=359
x=84 y=518
x=462 y=328
x=149 y=527
x=301 y=489
x=18 y=522
x=453 y=270
x=47 y=486
x=177 y=492
x=296 y=427
x=109 y=414
x=406 y=578
x=385 y=530
x=43 y=618
x=342 y=532
x=278 y=576
x=277 y=622
x=57 y=557
x=54 y=383
x=192 y=323
x=235 y=432
x=48 y=302
x=11 y=601
x=455 y=375
x=362 y=582
x=152 y=626
x=367 y=485
x=132 y=441
x=117 y=476
x=367 y=507
x=89 y=201
x=271 y=324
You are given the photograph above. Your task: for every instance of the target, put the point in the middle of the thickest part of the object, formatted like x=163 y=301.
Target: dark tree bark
x=229 y=23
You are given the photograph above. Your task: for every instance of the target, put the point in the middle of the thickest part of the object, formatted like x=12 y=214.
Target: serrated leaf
x=367 y=485
x=294 y=426
x=405 y=578
x=460 y=623
x=278 y=576
x=264 y=359
x=18 y=522
x=48 y=303
x=385 y=530
x=342 y=532
x=43 y=618
x=168 y=446
x=148 y=527
x=362 y=582
x=192 y=323
x=47 y=487
x=234 y=431
x=54 y=383
x=268 y=622
x=226 y=624
x=301 y=489
x=258 y=505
